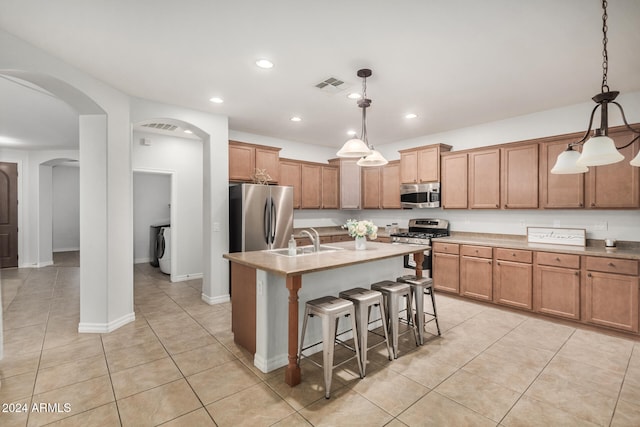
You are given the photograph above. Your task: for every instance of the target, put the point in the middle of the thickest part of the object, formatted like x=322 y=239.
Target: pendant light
x=600 y=149
x=360 y=147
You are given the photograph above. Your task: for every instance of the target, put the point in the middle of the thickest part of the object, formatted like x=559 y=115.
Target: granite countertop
x=628 y=250
x=308 y=263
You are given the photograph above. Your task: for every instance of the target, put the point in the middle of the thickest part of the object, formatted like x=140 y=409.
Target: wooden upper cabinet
x=520 y=177
x=269 y=160
x=454 y=181
x=241 y=162
x=290 y=174
x=409 y=167
x=311 y=194
x=245 y=158
x=559 y=191
x=390 y=186
x=616 y=185
x=421 y=164
x=484 y=179
x=371 y=187
x=330 y=187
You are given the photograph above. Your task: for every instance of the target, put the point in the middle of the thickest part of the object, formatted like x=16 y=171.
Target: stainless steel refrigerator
x=260 y=217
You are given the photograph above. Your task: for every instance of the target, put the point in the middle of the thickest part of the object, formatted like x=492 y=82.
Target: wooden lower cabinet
x=243 y=300
x=446 y=272
x=513 y=284
x=476 y=277
x=556 y=291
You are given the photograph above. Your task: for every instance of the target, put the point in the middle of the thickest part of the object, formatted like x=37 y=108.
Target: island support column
x=292 y=373
x=419 y=259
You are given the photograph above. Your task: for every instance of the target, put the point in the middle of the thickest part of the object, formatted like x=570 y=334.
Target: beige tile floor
x=177 y=365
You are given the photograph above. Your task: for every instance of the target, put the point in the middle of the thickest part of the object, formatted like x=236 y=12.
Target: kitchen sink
x=305 y=250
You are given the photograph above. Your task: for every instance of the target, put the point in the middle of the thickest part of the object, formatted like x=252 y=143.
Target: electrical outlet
x=523 y=223
x=216 y=226
x=556 y=223
x=260 y=287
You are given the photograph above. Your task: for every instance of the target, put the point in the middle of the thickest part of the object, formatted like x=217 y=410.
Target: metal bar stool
x=392 y=292
x=419 y=287
x=363 y=300
x=329 y=309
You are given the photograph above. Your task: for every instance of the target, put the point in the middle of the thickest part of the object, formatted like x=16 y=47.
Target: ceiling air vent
x=332 y=85
x=161 y=126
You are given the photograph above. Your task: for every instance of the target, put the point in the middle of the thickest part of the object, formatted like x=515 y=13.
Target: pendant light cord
x=605 y=54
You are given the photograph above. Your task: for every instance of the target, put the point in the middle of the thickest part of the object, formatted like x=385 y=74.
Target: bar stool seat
x=363 y=300
x=419 y=287
x=329 y=309
x=392 y=293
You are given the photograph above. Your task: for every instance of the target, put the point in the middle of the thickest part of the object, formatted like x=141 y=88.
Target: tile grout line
x=613 y=413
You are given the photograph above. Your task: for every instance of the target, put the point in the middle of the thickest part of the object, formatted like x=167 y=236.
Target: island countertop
x=308 y=263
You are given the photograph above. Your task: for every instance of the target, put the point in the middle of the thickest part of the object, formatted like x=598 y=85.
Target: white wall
x=66 y=208
x=151 y=205
x=290 y=149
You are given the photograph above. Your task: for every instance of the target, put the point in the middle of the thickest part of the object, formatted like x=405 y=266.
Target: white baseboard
x=272 y=364
x=141 y=260
x=215 y=300
x=186 y=277
x=44 y=264
x=104 y=328
x=66 y=249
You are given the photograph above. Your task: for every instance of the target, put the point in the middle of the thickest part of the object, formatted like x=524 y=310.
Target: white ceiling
x=454 y=63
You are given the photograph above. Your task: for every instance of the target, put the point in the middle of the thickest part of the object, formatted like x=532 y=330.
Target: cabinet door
x=476 y=277
x=429 y=165
x=241 y=162
x=409 y=167
x=446 y=272
x=616 y=185
x=612 y=300
x=513 y=284
x=484 y=179
x=311 y=195
x=556 y=291
x=330 y=192
x=371 y=188
x=390 y=195
x=520 y=177
x=269 y=161
x=454 y=181
x=559 y=191
x=290 y=175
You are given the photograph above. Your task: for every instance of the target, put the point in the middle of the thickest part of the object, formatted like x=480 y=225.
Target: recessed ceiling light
x=187 y=131
x=296 y=119
x=354 y=95
x=410 y=116
x=216 y=100
x=351 y=132
x=264 y=63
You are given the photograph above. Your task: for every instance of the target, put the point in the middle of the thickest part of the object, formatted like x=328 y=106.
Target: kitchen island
x=266 y=289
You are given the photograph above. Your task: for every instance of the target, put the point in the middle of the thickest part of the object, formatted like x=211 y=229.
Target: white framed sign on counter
x=557 y=236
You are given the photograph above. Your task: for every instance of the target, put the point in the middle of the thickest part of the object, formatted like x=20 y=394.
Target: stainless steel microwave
x=425 y=195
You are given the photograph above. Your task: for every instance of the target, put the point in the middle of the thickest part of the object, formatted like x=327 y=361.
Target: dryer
x=163 y=246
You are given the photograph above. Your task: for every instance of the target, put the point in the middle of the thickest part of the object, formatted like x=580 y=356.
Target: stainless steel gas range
x=420 y=232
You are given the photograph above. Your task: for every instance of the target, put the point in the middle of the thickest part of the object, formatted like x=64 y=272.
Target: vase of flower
x=360 y=230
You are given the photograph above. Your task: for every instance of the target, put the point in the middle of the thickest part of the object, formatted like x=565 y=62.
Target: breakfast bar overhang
x=276 y=282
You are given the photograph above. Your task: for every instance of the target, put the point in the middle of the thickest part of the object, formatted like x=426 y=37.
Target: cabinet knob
x=498 y=263
x=593 y=204
x=577 y=273
x=589 y=275
x=557 y=259
x=581 y=204
x=506 y=205
x=513 y=254
x=611 y=264
x=489 y=261
x=497 y=205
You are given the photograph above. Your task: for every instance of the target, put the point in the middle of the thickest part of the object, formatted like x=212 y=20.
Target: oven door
x=409 y=262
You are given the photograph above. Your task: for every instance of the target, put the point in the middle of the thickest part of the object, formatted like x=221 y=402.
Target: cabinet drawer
x=558 y=260
x=447 y=248
x=476 y=251
x=515 y=255
x=612 y=265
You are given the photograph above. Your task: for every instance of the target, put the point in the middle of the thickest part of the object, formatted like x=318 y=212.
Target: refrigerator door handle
x=274 y=221
x=266 y=221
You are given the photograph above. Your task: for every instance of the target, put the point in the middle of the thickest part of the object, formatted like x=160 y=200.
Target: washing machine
x=154 y=230
x=163 y=244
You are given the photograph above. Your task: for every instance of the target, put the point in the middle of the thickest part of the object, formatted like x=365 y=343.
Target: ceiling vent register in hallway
x=332 y=85
x=161 y=126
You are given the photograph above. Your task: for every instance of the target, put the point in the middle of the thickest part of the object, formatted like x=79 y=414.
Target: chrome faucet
x=315 y=241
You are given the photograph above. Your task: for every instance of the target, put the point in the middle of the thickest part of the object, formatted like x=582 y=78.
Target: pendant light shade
x=373 y=159
x=567 y=163
x=360 y=147
x=599 y=150
x=354 y=148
